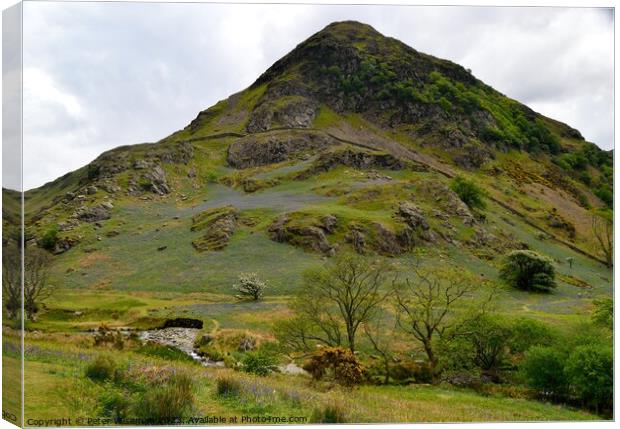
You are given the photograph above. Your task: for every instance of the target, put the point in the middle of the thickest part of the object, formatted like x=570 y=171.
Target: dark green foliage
x=259 y=363
x=589 y=155
x=528 y=270
x=227 y=386
x=103 y=368
x=589 y=371
x=603 y=314
x=605 y=193
x=543 y=370
x=489 y=336
x=167 y=400
x=50 y=238
x=526 y=333
x=492 y=134
x=470 y=193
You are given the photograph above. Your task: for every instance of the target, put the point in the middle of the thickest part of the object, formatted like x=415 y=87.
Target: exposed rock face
x=376 y=237
x=149 y=160
x=473 y=156
x=448 y=200
x=93 y=214
x=218 y=224
x=252 y=151
x=155 y=181
x=109 y=164
x=64 y=244
x=304 y=230
x=356 y=158
x=286 y=112
x=412 y=215
x=181 y=153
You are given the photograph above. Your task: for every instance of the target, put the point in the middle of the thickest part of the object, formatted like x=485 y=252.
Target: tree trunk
x=432 y=360
x=351 y=338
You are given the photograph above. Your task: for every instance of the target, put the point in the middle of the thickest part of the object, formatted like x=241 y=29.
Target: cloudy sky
x=100 y=75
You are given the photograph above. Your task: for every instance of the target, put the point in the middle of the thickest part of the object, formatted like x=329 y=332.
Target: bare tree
x=381 y=337
x=425 y=308
x=12 y=280
x=35 y=284
x=603 y=230
x=342 y=296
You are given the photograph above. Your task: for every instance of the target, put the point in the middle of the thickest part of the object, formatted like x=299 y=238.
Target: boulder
x=155 y=181
x=64 y=244
x=92 y=214
x=412 y=215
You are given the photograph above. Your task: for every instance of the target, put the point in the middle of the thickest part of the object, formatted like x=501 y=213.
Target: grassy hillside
x=350 y=143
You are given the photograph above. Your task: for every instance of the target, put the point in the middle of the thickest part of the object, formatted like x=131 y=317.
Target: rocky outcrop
x=154 y=180
x=286 y=112
x=447 y=200
x=304 y=230
x=180 y=153
x=412 y=215
x=64 y=244
x=377 y=237
x=218 y=224
x=473 y=156
x=95 y=213
x=362 y=159
x=277 y=146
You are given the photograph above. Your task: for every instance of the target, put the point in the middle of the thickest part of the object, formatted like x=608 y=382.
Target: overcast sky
x=100 y=75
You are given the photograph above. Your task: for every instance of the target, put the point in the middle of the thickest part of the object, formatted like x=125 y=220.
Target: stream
x=183 y=339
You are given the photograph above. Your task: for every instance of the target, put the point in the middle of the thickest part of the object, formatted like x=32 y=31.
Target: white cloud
x=108 y=74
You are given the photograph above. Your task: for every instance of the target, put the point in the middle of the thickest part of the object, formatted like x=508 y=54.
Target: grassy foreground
x=52 y=370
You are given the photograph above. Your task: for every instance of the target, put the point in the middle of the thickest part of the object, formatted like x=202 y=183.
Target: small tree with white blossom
x=250 y=287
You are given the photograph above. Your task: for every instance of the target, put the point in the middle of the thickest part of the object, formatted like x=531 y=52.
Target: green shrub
x=259 y=363
x=330 y=413
x=228 y=386
x=589 y=371
x=603 y=314
x=168 y=400
x=50 y=238
x=528 y=270
x=468 y=192
x=543 y=370
x=103 y=368
x=526 y=333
